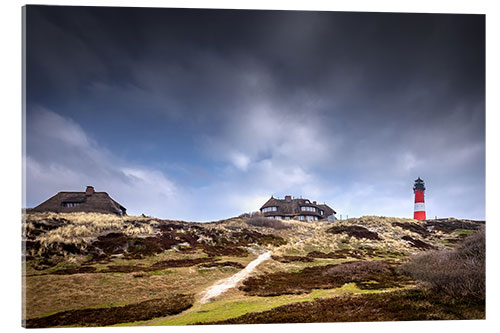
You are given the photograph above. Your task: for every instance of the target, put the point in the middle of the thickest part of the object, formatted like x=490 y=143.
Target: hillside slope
x=81 y=266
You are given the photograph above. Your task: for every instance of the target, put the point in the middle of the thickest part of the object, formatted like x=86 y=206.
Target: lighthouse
x=419 y=210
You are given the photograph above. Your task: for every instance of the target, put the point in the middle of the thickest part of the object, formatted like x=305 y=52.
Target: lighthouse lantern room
x=419 y=208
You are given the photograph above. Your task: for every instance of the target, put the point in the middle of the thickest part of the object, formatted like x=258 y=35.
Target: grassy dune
x=81 y=266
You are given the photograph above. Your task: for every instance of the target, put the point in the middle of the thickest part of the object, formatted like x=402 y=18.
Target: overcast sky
x=204 y=114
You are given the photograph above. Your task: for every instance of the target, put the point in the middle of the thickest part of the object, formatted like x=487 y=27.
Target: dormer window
x=307 y=209
x=322 y=212
x=70 y=204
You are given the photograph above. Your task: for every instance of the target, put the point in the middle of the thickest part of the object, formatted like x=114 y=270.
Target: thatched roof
x=88 y=202
x=328 y=210
x=292 y=207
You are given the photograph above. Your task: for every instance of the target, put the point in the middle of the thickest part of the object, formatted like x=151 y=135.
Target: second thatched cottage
x=297 y=208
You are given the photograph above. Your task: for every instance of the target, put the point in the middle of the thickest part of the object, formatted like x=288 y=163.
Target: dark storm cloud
x=346 y=106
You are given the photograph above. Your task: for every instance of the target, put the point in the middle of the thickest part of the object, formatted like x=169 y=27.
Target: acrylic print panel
x=201 y=166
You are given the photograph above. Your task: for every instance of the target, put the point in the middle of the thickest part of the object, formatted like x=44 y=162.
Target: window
x=287 y=218
x=307 y=209
x=70 y=204
x=270 y=209
x=322 y=212
x=277 y=217
x=309 y=218
x=301 y=218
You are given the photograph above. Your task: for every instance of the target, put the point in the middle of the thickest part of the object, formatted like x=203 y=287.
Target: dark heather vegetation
x=450 y=225
x=222 y=264
x=51 y=239
x=261 y=221
x=457 y=273
x=446 y=226
x=359 y=253
x=354 y=231
x=288 y=259
x=366 y=275
x=95 y=269
x=451 y=287
x=417 y=243
x=413 y=227
x=180 y=263
x=161 y=265
x=401 y=305
x=115 y=315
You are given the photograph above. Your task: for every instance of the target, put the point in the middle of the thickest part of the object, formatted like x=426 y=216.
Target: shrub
x=260 y=221
x=458 y=273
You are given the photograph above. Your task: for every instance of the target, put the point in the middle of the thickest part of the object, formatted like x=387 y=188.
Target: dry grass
x=261 y=221
x=306 y=237
x=53 y=293
x=391 y=236
x=80 y=229
x=86 y=218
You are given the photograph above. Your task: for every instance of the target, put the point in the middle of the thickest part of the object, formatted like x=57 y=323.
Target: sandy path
x=230 y=282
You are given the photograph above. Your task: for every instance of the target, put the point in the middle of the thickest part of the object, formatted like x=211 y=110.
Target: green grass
x=60 y=266
x=207 y=271
x=162 y=272
x=236 y=306
x=107 y=289
x=448 y=243
x=464 y=232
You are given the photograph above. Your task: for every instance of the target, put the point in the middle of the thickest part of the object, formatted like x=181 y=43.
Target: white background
x=11 y=135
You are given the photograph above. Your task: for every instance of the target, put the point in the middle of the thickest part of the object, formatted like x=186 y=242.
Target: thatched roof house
x=87 y=202
x=301 y=209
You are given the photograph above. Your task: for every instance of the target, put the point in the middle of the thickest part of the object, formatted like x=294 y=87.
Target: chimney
x=314 y=202
x=89 y=190
x=288 y=198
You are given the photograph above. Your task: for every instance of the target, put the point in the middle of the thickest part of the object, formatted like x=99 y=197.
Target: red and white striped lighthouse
x=419 y=210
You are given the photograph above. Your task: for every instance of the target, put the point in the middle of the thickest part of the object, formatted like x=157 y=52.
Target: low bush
x=458 y=273
x=260 y=221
